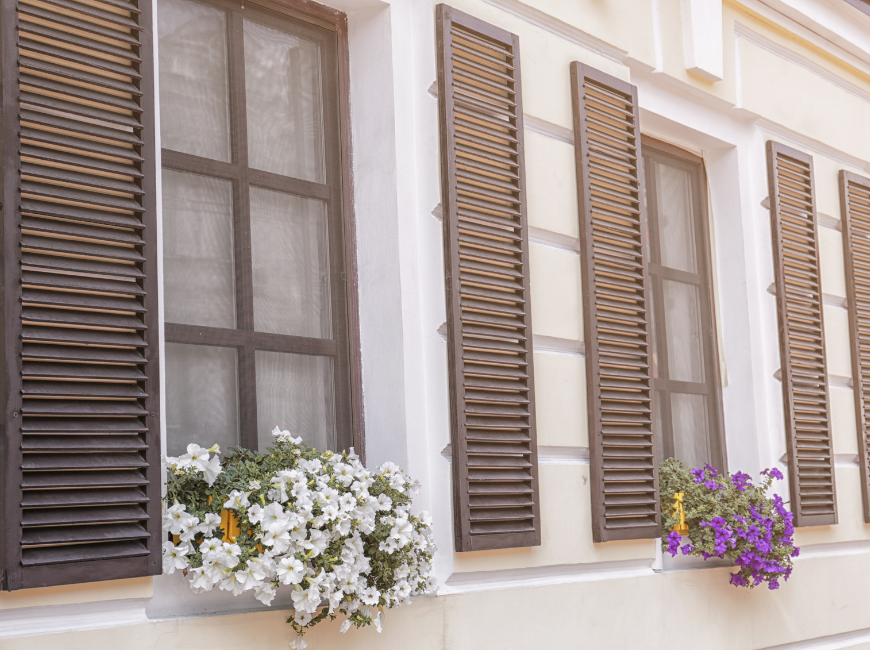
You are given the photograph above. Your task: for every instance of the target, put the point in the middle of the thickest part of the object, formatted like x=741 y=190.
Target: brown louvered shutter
x=487 y=277
x=82 y=452
x=855 y=207
x=801 y=335
x=613 y=231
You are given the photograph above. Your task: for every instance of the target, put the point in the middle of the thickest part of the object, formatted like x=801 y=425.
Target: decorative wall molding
x=543 y=343
x=563 y=455
x=561 y=29
x=543 y=127
x=461 y=583
x=749 y=34
x=813 y=146
x=554 y=240
x=831 y=642
x=702 y=38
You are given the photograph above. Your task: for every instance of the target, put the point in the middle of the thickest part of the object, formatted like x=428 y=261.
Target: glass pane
x=201 y=397
x=683 y=325
x=291 y=264
x=676 y=220
x=199 y=278
x=295 y=392
x=689 y=416
x=284 y=103
x=194 y=103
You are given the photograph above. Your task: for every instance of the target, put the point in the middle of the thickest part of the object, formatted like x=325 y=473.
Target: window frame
x=671 y=154
x=309 y=20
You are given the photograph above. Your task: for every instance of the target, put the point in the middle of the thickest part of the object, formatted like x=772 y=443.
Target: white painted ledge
x=461 y=583
x=56 y=619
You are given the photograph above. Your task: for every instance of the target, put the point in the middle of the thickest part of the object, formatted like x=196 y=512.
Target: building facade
x=526 y=250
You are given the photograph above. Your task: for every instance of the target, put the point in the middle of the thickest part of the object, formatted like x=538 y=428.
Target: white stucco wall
x=784 y=77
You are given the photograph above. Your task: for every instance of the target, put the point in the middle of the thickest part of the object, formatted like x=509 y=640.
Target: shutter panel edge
x=646 y=505
x=775 y=151
x=528 y=533
x=861 y=387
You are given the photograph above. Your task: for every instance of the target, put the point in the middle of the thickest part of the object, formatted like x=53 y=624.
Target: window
x=255 y=290
x=685 y=356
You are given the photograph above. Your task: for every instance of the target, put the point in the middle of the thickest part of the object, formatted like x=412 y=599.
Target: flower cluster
x=341 y=537
x=730 y=518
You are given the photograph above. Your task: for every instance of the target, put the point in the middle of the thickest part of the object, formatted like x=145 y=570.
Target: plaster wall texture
x=780 y=82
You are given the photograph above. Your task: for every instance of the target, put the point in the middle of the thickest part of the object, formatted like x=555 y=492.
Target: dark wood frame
x=598 y=480
x=14 y=576
x=464 y=540
x=856 y=296
x=329 y=28
x=711 y=388
x=774 y=150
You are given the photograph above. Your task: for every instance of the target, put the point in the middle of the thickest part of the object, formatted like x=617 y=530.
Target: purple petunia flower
x=774 y=472
x=741 y=481
x=737 y=580
x=687 y=548
x=773 y=583
x=673 y=543
x=711 y=485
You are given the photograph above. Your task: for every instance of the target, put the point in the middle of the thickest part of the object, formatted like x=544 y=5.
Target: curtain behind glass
x=194 y=102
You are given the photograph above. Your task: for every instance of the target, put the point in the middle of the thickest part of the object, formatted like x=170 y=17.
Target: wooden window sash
x=495 y=472
x=613 y=231
x=703 y=279
x=329 y=29
x=855 y=211
x=801 y=336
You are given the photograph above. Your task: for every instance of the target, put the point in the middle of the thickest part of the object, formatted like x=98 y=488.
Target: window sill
x=174 y=599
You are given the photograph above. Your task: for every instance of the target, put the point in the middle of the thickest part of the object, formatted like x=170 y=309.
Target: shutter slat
x=854 y=191
x=488 y=308
x=615 y=285
x=801 y=327
x=81 y=291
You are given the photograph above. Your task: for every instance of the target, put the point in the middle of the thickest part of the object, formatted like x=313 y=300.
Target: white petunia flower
x=228 y=555
x=299 y=643
x=179 y=519
x=384 y=503
x=285 y=436
x=402 y=531
x=174 y=557
x=290 y=570
x=371 y=596
x=275 y=519
x=317 y=542
x=236 y=500
x=265 y=593
x=211 y=471
x=389 y=546
x=210 y=523
x=255 y=513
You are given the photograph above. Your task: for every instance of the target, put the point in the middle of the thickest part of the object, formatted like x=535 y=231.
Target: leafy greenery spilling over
x=341 y=537
x=729 y=518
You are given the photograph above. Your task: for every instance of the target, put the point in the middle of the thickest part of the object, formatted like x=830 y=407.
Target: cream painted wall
x=570 y=592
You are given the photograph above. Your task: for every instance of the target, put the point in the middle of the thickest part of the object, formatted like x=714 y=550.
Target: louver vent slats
x=82 y=496
x=802 y=336
x=855 y=206
x=487 y=276
x=616 y=304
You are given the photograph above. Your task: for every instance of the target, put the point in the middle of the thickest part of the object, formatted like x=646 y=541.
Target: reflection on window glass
x=295 y=392
x=284 y=103
x=198 y=250
x=676 y=220
x=194 y=102
x=689 y=414
x=683 y=327
x=201 y=397
x=291 y=264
